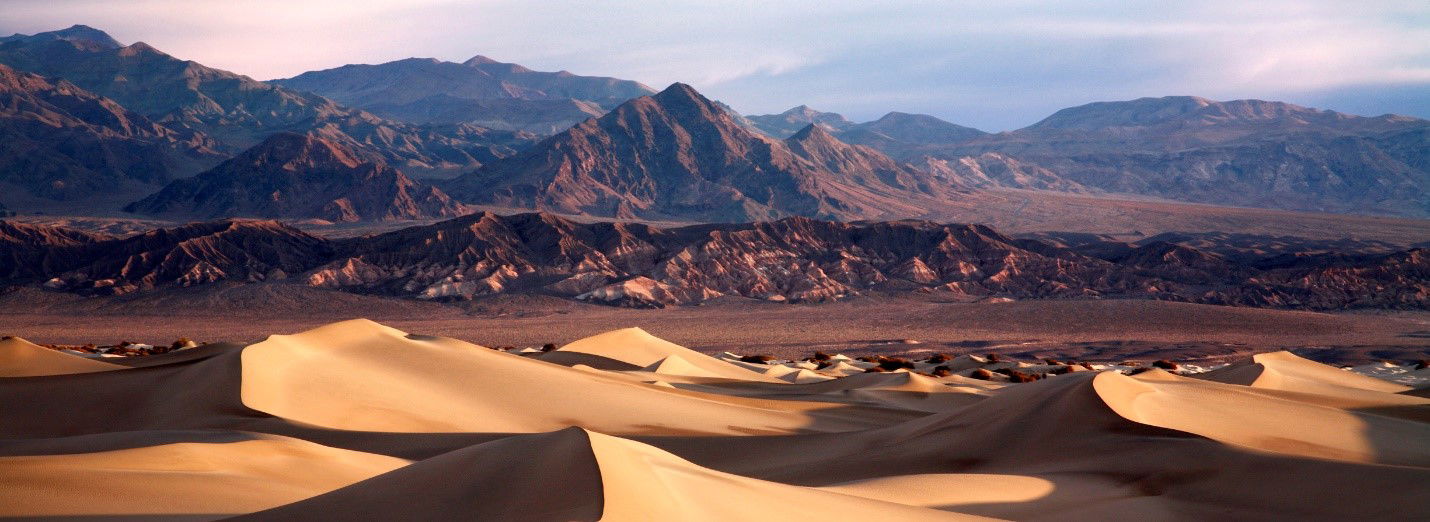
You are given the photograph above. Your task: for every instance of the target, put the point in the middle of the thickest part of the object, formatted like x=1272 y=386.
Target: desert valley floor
x=1092 y=330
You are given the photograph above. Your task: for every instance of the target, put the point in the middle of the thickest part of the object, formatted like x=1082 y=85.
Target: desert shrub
x=1060 y=370
x=938 y=358
x=1017 y=376
x=821 y=356
x=824 y=364
x=1136 y=371
x=982 y=374
x=1053 y=361
x=942 y=371
x=760 y=359
x=180 y=343
x=1422 y=364
x=1165 y=364
x=866 y=358
x=894 y=363
x=548 y=347
x=993 y=358
x=876 y=369
x=1085 y=365
x=1004 y=371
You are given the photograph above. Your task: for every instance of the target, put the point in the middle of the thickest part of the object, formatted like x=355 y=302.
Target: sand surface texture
x=360 y=421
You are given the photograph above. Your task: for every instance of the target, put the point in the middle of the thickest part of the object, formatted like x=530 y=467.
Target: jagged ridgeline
x=632 y=264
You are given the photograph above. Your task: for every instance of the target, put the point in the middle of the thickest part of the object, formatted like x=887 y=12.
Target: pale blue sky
x=993 y=65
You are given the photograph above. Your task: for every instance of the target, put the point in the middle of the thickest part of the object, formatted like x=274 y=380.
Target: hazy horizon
x=994 y=68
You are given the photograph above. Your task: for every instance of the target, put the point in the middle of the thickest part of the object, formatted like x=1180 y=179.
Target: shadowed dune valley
x=469 y=260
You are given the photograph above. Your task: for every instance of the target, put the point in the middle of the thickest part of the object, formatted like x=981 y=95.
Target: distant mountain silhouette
x=480 y=90
x=899 y=133
x=785 y=124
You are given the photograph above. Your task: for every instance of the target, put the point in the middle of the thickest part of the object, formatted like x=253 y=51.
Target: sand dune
x=1233 y=415
x=635 y=347
x=21 y=358
x=1286 y=371
x=626 y=426
x=210 y=474
x=359 y=375
x=575 y=474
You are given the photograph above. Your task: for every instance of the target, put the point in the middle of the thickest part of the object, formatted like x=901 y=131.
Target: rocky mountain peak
x=679 y=95
x=78 y=34
x=793 y=120
x=678 y=153
x=297 y=152
x=500 y=68
x=479 y=60
x=813 y=132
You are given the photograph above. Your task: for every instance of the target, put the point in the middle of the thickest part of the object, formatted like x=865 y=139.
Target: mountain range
x=480 y=91
x=86 y=116
x=633 y=264
x=678 y=155
x=62 y=142
x=1245 y=153
x=229 y=112
x=1249 y=153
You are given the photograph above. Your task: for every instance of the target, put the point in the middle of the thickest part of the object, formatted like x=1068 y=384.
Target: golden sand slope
x=309 y=426
x=21 y=358
x=359 y=375
x=575 y=474
x=640 y=349
x=1286 y=371
x=208 y=473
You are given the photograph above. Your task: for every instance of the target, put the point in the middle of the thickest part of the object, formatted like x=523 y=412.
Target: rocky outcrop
x=196 y=254
x=31 y=251
x=628 y=264
x=677 y=155
x=859 y=165
x=295 y=176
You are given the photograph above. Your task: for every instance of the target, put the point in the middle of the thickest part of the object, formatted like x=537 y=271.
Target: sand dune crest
x=21 y=358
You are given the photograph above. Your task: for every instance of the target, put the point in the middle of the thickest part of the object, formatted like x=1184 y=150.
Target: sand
x=359 y=421
x=21 y=358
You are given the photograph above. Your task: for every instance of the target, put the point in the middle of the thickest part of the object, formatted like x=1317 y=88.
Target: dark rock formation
x=296 y=176
x=791 y=260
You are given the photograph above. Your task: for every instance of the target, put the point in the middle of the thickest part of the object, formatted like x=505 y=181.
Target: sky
x=994 y=65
